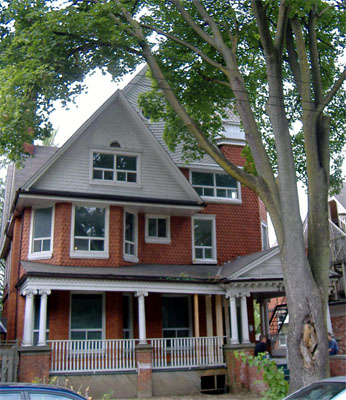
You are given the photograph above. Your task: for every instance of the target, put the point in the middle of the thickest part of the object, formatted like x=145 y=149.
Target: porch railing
x=119 y=354
x=187 y=352
x=93 y=355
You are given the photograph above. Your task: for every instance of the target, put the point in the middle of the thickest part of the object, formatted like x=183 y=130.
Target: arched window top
x=114 y=144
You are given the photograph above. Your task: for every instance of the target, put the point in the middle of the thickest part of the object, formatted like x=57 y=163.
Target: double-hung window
x=204 y=239
x=86 y=316
x=115 y=167
x=89 y=232
x=176 y=316
x=157 y=229
x=41 y=233
x=130 y=236
x=216 y=185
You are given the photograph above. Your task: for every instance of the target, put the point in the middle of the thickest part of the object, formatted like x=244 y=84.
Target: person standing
x=333 y=347
x=261 y=346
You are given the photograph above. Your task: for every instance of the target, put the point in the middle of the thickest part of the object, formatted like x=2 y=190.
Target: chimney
x=28 y=148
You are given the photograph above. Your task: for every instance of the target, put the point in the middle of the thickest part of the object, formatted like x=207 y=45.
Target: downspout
x=18 y=276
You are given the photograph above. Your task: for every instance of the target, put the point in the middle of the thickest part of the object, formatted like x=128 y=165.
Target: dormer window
x=115 y=167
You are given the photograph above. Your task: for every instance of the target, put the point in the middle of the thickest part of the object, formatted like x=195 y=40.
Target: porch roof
x=145 y=272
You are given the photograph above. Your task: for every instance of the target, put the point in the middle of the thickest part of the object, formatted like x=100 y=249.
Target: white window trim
x=156 y=239
x=42 y=254
x=212 y=218
x=263 y=224
x=214 y=199
x=130 y=257
x=103 y=311
x=115 y=151
x=89 y=254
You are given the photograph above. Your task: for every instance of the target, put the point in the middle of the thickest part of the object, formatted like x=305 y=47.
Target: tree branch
x=281 y=27
x=187 y=45
x=328 y=98
x=314 y=59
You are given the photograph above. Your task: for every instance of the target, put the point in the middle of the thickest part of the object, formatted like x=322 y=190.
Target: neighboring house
x=122 y=260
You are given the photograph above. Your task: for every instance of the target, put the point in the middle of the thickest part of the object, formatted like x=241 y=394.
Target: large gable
x=70 y=168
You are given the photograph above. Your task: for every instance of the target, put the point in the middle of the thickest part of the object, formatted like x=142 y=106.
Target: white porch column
x=141 y=317
x=28 y=317
x=234 y=320
x=43 y=318
x=244 y=318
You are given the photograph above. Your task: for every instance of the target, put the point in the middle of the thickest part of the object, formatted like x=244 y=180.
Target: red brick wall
x=339 y=330
x=34 y=364
x=59 y=315
x=337 y=365
x=114 y=315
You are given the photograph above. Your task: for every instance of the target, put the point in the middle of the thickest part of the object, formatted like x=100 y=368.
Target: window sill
x=82 y=254
x=40 y=256
x=114 y=183
x=220 y=200
x=202 y=261
x=129 y=258
x=157 y=240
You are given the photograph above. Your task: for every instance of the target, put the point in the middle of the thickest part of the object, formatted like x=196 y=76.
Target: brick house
x=129 y=269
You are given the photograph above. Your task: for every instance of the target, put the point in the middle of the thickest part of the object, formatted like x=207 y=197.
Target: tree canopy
x=278 y=64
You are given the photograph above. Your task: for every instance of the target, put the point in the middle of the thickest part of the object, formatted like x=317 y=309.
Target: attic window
x=115 y=143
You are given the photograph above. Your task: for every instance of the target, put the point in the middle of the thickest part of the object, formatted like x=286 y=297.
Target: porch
x=110 y=355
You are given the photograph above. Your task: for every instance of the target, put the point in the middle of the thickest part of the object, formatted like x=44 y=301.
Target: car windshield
x=319 y=391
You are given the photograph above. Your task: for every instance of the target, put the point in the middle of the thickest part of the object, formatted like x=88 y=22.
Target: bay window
x=130 y=236
x=89 y=231
x=41 y=233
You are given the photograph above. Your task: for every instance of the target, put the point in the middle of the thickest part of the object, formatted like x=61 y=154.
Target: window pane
x=152 y=231
x=108 y=175
x=202 y=179
x=203 y=232
x=96 y=245
x=42 y=223
x=208 y=192
x=47 y=396
x=37 y=246
x=199 y=253
x=89 y=222
x=207 y=253
x=127 y=163
x=46 y=245
x=78 y=335
x=162 y=227
x=92 y=335
x=86 y=311
x=131 y=177
x=121 y=176
x=225 y=181
x=103 y=160
x=130 y=227
x=175 y=312
x=81 y=244
x=97 y=174
x=221 y=193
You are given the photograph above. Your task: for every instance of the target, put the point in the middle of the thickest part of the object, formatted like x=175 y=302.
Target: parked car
x=327 y=389
x=32 y=391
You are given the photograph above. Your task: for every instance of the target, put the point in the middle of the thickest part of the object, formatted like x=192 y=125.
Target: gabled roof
x=118 y=97
x=265 y=264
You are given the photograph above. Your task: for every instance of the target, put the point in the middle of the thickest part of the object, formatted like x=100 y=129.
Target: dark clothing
x=333 y=347
x=260 y=347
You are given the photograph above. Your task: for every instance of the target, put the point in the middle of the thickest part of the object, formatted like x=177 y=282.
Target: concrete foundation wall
x=95 y=386
x=165 y=383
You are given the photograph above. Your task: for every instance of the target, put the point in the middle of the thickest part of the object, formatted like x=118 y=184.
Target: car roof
x=38 y=386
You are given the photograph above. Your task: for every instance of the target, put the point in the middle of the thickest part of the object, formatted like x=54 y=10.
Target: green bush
x=272 y=375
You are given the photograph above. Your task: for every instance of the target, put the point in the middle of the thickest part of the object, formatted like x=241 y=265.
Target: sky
x=100 y=88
